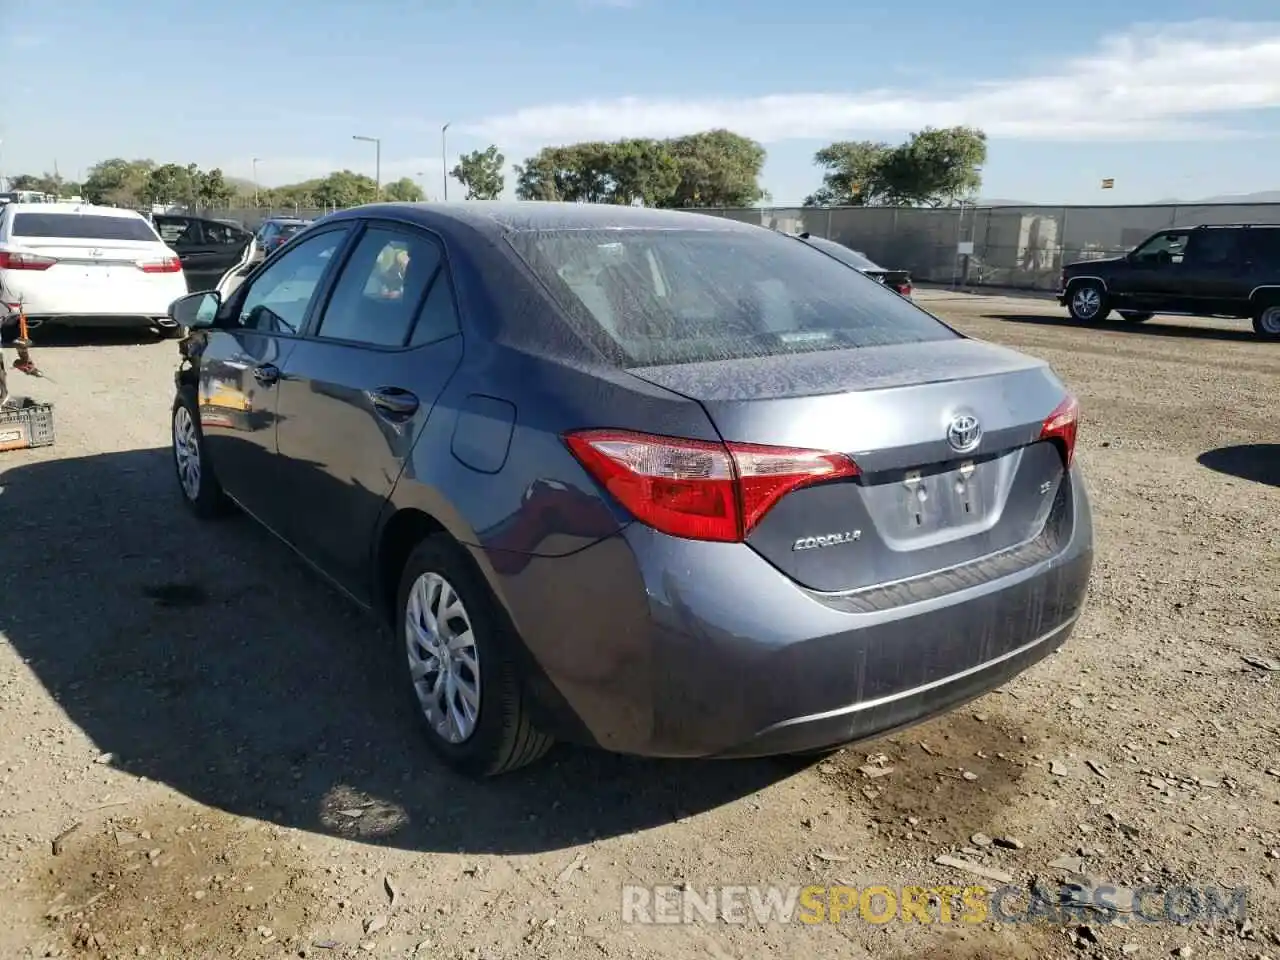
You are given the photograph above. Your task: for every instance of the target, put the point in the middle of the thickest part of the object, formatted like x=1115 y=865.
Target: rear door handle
x=268 y=374
x=393 y=402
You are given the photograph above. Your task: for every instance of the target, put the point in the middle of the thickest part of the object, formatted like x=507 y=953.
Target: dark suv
x=1228 y=270
x=277 y=231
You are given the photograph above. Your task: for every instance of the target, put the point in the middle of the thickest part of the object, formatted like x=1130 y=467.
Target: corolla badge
x=827 y=540
x=964 y=433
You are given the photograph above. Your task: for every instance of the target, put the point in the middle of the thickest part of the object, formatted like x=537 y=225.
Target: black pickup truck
x=1226 y=270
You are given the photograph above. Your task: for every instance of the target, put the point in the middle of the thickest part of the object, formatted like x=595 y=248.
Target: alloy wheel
x=186 y=453
x=1270 y=321
x=444 y=663
x=1086 y=302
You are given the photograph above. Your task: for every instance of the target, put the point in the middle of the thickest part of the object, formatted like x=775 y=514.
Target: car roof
x=511 y=216
x=73 y=208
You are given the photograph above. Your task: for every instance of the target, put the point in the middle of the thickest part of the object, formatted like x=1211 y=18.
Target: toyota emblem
x=964 y=433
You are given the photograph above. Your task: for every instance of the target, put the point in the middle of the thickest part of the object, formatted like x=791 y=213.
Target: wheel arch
x=1265 y=295
x=1074 y=282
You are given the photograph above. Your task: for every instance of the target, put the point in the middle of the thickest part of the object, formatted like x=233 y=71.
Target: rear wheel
x=1266 y=322
x=457 y=652
x=1088 y=302
x=196 y=480
x=1134 y=316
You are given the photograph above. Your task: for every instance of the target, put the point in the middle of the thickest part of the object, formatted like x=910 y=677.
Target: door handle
x=393 y=401
x=268 y=374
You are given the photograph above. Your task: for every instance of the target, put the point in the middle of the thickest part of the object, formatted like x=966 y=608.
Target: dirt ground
x=212 y=724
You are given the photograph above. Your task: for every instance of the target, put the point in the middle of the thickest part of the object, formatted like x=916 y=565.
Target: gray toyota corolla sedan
x=653 y=481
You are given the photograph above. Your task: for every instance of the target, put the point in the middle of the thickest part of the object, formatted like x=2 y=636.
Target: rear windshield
x=81 y=226
x=677 y=296
x=842 y=253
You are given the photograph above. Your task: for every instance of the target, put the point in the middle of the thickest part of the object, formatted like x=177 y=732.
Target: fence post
x=828 y=233
x=1062 y=242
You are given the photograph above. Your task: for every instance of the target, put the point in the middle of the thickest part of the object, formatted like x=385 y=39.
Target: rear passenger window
x=381 y=287
x=1264 y=247
x=438 y=317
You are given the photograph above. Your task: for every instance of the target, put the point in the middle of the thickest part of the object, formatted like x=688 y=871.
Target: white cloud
x=1178 y=82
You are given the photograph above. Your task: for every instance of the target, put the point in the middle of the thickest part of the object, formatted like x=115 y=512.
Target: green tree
x=642 y=172
x=718 y=168
x=345 y=188
x=932 y=168
x=936 y=167
x=44 y=183
x=714 y=168
x=852 y=174
x=403 y=190
x=481 y=173
x=212 y=189
x=171 y=183
x=118 y=181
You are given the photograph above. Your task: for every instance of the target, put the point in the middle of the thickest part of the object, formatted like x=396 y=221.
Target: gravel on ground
x=199 y=757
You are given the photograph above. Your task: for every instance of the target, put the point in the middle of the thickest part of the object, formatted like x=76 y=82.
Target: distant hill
x=1265 y=196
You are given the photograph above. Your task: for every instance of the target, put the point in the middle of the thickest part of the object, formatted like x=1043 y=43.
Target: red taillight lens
x=699 y=489
x=1061 y=427
x=163 y=265
x=904 y=289
x=25 y=261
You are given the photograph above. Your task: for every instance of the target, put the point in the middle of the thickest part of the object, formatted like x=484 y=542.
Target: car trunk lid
x=946 y=436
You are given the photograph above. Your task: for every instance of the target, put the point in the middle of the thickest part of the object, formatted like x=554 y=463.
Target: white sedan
x=82 y=265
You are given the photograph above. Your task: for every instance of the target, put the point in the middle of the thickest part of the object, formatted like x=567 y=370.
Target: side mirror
x=196 y=311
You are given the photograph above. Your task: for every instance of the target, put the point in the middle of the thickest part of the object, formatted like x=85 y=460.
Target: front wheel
x=1088 y=302
x=457 y=648
x=200 y=489
x=1134 y=316
x=1266 y=322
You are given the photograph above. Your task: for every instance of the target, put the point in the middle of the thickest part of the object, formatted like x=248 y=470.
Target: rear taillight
x=25 y=261
x=698 y=489
x=163 y=265
x=1061 y=426
x=904 y=289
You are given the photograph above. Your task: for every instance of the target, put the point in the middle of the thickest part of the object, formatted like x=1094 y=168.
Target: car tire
x=1087 y=302
x=198 y=484
x=1266 y=321
x=1134 y=316
x=497 y=734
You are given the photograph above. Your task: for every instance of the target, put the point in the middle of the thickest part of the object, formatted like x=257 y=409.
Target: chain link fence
x=1017 y=247
x=252 y=217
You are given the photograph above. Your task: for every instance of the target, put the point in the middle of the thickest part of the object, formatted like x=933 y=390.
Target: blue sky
x=1168 y=103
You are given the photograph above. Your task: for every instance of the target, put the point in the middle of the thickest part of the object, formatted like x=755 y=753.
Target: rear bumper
x=97 y=320
x=131 y=303
x=682 y=649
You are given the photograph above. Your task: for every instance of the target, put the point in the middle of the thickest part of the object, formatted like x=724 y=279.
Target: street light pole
x=377 y=160
x=444 y=159
x=256 y=161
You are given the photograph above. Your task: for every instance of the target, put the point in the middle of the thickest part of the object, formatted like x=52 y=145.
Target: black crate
x=25 y=423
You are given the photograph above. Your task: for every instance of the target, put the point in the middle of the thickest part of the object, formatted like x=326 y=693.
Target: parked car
x=81 y=265
x=1226 y=270
x=207 y=248
x=277 y=231
x=896 y=280
x=653 y=481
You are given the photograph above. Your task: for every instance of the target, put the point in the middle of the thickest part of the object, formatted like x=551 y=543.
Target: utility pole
x=444 y=159
x=377 y=160
x=256 y=161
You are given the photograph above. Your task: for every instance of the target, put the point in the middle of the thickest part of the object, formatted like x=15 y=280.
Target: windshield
x=677 y=296
x=82 y=226
x=842 y=253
